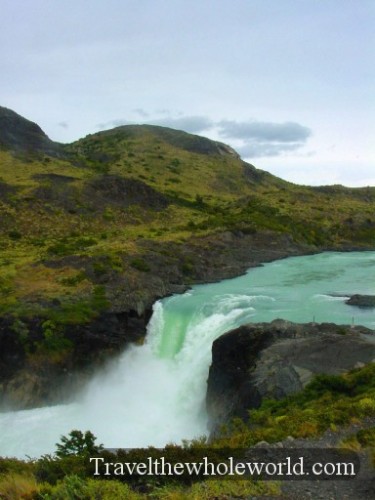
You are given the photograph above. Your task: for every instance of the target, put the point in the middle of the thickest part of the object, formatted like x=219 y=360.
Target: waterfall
x=154 y=394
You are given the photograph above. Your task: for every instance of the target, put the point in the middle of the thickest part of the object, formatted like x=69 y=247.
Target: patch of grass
x=81 y=311
x=74 y=280
x=69 y=246
x=14 y=486
x=363 y=439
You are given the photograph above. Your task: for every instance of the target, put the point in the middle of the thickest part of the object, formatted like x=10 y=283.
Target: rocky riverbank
x=272 y=360
x=31 y=375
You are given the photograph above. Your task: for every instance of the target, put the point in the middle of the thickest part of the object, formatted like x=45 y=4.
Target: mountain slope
x=116 y=194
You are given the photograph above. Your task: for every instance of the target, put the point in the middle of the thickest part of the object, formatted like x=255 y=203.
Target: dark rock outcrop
x=23 y=136
x=272 y=360
x=125 y=192
x=361 y=300
x=31 y=376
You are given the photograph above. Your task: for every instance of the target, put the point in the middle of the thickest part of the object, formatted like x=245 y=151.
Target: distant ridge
x=178 y=138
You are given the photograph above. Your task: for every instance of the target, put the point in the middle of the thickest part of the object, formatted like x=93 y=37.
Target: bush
x=78 y=444
x=69 y=247
x=74 y=487
x=327 y=383
x=15 y=235
x=49 y=469
x=54 y=339
x=140 y=264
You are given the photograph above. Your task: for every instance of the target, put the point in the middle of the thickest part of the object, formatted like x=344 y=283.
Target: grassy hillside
x=77 y=219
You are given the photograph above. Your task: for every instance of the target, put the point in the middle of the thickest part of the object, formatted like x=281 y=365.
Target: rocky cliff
x=32 y=376
x=272 y=360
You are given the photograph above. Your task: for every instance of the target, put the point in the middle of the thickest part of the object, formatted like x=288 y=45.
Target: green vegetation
x=328 y=401
x=78 y=443
x=140 y=264
x=71 y=222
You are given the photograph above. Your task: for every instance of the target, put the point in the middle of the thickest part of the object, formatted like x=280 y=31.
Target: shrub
x=14 y=235
x=78 y=443
x=140 y=264
x=49 y=469
x=74 y=280
x=68 y=247
x=54 y=339
x=72 y=487
x=367 y=437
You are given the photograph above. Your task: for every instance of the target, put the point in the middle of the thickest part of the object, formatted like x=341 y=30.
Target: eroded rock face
x=361 y=300
x=31 y=377
x=272 y=360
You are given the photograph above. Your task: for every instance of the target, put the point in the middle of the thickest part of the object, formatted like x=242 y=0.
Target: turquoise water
x=154 y=394
x=297 y=289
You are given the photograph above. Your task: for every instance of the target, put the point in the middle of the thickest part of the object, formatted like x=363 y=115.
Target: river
x=154 y=394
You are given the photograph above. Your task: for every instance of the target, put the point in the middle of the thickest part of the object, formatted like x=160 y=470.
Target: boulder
x=273 y=360
x=361 y=300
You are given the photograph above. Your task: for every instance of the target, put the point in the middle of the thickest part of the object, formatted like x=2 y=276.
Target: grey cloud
x=264 y=131
x=141 y=112
x=258 y=150
x=259 y=139
x=264 y=138
x=113 y=123
x=193 y=124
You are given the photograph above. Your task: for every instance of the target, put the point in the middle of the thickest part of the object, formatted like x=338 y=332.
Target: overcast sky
x=288 y=83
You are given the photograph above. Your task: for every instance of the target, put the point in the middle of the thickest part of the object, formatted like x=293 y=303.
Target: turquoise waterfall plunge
x=154 y=394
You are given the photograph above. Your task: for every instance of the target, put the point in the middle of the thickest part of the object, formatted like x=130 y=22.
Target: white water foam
x=151 y=395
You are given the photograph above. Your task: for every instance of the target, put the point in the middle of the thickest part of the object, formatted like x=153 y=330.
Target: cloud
x=252 y=139
x=261 y=139
x=141 y=112
x=192 y=124
x=63 y=124
x=114 y=123
x=264 y=131
x=258 y=150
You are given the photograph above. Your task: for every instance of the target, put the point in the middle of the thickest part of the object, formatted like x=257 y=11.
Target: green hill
x=104 y=200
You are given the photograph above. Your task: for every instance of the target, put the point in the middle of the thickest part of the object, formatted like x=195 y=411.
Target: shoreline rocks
x=361 y=300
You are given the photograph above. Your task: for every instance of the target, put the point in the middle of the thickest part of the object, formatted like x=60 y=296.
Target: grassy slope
x=52 y=208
